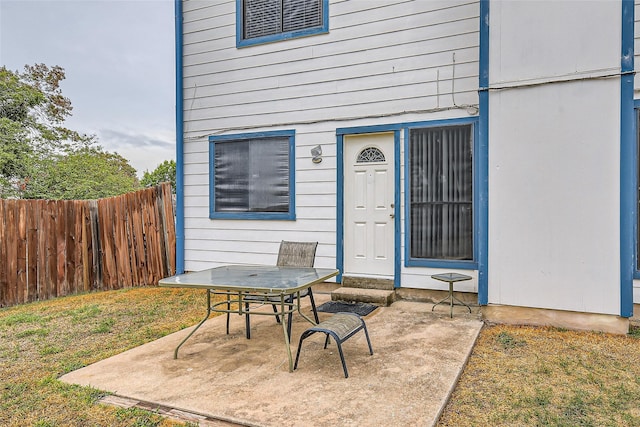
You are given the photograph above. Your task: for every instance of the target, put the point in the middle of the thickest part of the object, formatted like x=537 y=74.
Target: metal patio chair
x=341 y=326
x=290 y=254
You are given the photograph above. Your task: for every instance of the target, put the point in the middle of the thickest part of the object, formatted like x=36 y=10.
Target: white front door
x=368 y=205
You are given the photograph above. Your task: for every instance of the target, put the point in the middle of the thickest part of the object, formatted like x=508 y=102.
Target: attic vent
x=269 y=17
x=370 y=155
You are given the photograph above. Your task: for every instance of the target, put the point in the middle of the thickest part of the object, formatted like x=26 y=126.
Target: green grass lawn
x=516 y=376
x=528 y=376
x=41 y=341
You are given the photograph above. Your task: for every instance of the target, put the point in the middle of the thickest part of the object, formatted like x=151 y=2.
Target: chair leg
x=275 y=310
x=228 y=314
x=366 y=334
x=313 y=306
x=247 y=322
x=344 y=364
x=304 y=335
x=289 y=317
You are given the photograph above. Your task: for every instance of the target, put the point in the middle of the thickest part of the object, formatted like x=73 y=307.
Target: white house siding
x=382 y=62
x=554 y=155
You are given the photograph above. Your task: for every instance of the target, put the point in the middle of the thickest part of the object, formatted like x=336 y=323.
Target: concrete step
x=379 y=297
x=367 y=283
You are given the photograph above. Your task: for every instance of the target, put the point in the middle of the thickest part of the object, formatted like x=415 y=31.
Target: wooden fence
x=53 y=248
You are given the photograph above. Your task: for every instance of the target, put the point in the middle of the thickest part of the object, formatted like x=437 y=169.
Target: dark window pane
x=262 y=18
x=252 y=175
x=441 y=193
x=269 y=17
x=301 y=14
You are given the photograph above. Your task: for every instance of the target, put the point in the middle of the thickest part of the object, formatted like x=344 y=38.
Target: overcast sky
x=119 y=61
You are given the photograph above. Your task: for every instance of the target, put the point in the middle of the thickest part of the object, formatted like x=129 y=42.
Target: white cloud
x=155 y=148
x=119 y=62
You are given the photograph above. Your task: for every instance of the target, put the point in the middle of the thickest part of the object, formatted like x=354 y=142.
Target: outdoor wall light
x=316 y=153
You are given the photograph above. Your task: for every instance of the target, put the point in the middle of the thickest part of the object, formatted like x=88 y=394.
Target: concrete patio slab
x=418 y=356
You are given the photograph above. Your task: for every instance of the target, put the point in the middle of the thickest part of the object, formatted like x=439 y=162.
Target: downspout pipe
x=483 y=162
x=628 y=159
x=179 y=142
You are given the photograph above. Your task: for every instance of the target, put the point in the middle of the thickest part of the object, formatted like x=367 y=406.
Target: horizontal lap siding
x=381 y=62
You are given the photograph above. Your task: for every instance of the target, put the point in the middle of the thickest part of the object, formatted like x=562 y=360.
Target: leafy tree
x=14 y=155
x=86 y=173
x=165 y=172
x=39 y=156
x=16 y=99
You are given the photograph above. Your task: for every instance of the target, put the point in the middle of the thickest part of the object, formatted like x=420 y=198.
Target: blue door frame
x=340 y=133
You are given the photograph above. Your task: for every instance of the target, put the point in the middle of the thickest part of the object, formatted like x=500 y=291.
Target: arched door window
x=370 y=155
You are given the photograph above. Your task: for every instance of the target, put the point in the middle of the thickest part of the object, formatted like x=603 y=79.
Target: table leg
x=304 y=316
x=452 y=301
x=175 y=353
x=286 y=333
x=228 y=311
x=460 y=302
x=451 y=296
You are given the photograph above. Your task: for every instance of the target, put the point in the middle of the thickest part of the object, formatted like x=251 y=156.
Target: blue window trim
x=340 y=133
x=291 y=215
x=240 y=42
x=628 y=163
x=634 y=223
x=442 y=263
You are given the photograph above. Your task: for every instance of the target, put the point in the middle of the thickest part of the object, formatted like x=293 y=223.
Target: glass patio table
x=253 y=285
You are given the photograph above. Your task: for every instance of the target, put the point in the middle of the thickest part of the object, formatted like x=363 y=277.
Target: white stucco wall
x=554 y=159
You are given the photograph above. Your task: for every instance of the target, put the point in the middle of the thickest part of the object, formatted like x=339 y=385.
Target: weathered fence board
x=32 y=253
x=168 y=225
x=21 y=219
x=12 y=251
x=3 y=250
x=54 y=248
x=41 y=263
x=51 y=215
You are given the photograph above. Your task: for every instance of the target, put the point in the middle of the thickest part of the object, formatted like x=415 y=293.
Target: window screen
x=441 y=193
x=270 y=17
x=251 y=175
